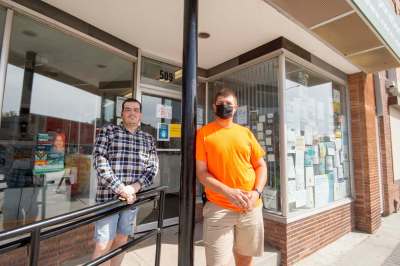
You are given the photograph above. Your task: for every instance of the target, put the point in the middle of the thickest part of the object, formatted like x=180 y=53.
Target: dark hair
x=131 y=100
x=225 y=92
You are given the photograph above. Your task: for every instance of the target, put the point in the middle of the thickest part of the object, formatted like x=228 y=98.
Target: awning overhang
x=366 y=32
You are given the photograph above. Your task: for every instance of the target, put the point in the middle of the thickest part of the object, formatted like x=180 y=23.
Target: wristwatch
x=259 y=193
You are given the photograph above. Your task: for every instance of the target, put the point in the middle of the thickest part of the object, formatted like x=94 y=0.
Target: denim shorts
x=121 y=223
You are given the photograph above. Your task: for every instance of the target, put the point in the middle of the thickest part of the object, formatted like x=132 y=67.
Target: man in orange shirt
x=230 y=165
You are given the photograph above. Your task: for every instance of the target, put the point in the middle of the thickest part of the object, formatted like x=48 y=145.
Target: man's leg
x=105 y=231
x=218 y=236
x=243 y=260
x=118 y=241
x=249 y=237
x=126 y=222
x=102 y=248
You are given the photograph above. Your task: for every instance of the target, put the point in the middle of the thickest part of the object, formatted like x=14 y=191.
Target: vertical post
x=282 y=134
x=34 y=248
x=160 y=226
x=4 y=54
x=187 y=181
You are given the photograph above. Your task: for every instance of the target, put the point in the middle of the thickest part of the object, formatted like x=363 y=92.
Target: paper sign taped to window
x=164 y=111
x=175 y=130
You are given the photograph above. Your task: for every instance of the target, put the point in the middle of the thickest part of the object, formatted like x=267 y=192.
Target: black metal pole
x=160 y=227
x=188 y=175
x=34 y=248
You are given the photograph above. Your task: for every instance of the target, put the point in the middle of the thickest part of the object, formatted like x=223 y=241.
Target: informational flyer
x=163 y=132
x=49 y=153
x=200 y=115
x=164 y=111
x=299 y=170
x=241 y=115
x=175 y=130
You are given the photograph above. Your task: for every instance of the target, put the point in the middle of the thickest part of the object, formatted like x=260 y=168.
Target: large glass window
x=317 y=163
x=257 y=91
x=59 y=91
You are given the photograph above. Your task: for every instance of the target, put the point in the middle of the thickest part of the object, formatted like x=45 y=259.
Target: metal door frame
x=151 y=90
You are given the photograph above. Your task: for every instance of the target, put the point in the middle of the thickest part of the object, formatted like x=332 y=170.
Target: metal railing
x=67 y=222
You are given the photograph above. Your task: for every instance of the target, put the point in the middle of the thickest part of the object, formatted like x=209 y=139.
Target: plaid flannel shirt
x=122 y=157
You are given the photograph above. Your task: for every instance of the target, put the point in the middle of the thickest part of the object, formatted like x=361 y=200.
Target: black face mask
x=224 y=111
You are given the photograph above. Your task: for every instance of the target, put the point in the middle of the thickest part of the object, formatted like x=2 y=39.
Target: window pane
x=318 y=169
x=59 y=90
x=257 y=91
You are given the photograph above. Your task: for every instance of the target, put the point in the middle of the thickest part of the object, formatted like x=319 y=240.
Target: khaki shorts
x=225 y=231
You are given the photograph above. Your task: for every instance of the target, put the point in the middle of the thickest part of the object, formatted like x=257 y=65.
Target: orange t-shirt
x=231 y=155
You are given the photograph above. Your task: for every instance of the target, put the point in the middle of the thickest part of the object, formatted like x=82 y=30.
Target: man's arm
x=260 y=168
x=105 y=174
x=151 y=169
x=236 y=196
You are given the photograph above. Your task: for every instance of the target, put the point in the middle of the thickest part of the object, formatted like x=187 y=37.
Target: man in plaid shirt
x=126 y=161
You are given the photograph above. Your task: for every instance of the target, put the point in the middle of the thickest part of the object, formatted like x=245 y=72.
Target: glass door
x=162 y=119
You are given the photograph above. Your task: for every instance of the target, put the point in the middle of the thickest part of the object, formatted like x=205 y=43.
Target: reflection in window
x=257 y=91
x=59 y=91
x=317 y=140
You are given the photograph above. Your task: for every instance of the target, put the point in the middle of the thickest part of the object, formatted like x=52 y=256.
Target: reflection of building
x=302 y=85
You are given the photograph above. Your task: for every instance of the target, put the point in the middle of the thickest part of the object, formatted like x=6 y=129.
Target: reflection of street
x=20 y=206
x=24 y=205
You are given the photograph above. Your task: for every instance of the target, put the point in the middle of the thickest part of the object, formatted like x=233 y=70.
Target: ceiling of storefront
x=235 y=26
x=339 y=24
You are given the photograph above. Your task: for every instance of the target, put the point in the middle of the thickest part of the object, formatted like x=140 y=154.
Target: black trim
x=272 y=46
x=78 y=24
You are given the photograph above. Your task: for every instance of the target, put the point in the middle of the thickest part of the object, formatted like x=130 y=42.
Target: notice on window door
x=164 y=111
x=175 y=130
x=163 y=132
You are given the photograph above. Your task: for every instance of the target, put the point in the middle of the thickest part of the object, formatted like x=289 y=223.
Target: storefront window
x=59 y=91
x=317 y=166
x=257 y=91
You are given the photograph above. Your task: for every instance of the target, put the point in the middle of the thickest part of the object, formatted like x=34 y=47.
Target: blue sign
x=384 y=19
x=163 y=132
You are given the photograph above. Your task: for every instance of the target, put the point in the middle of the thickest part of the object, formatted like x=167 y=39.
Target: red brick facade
x=75 y=244
x=365 y=158
x=301 y=238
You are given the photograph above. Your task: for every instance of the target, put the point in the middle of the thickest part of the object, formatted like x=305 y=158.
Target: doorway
x=162 y=119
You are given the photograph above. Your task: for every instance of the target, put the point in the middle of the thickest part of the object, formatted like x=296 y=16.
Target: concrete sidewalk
x=360 y=249
x=144 y=253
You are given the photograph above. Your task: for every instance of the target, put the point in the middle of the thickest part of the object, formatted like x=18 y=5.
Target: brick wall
x=365 y=159
x=77 y=243
x=391 y=189
x=299 y=239
x=275 y=236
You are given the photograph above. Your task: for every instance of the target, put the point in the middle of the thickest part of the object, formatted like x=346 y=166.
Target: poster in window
x=309 y=155
x=163 y=132
x=164 y=111
x=241 y=115
x=200 y=113
x=49 y=153
x=254 y=116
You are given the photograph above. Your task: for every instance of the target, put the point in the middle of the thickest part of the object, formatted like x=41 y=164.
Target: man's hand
x=128 y=193
x=253 y=197
x=238 y=197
